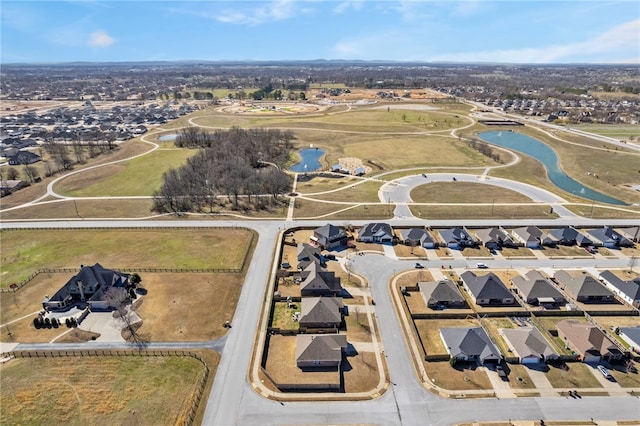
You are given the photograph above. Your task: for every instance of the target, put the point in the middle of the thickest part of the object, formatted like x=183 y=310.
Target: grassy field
x=62 y=209
x=23 y=252
x=597 y=212
x=578 y=375
x=311 y=209
x=525 y=211
x=461 y=377
x=465 y=192
x=619 y=131
x=365 y=192
x=123 y=390
x=139 y=176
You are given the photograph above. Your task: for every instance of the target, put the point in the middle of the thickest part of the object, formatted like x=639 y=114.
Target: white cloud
x=621 y=41
x=348 y=4
x=100 y=39
x=467 y=8
x=277 y=10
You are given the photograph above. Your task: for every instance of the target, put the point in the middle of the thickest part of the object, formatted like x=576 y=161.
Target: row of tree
x=237 y=163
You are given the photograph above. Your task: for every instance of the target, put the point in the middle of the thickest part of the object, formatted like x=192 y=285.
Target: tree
x=31 y=173
x=135 y=279
x=12 y=173
x=131 y=322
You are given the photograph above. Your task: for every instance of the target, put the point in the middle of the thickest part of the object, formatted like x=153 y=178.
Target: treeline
x=242 y=164
x=484 y=149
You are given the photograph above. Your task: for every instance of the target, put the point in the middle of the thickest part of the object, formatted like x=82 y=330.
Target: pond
x=169 y=137
x=310 y=160
x=543 y=153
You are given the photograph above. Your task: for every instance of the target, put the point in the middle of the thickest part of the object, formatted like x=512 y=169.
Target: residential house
x=23 y=157
x=487 y=289
x=9 y=186
x=320 y=350
x=532 y=237
x=609 y=238
x=469 y=344
x=95 y=286
x=535 y=289
x=443 y=293
x=495 y=238
x=569 y=236
x=376 y=233
x=307 y=254
x=321 y=312
x=329 y=237
x=457 y=238
x=416 y=237
x=584 y=288
x=588 y=341
x=528 y=344
x=627 y=290
x=631 y=335
x=632 y=233
x=317 y=281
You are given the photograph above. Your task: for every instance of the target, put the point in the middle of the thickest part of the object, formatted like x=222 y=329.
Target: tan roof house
x=528 y=344
x=320 y=350
x=588 y=341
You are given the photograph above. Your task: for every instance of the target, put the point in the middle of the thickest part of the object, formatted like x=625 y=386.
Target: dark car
x=419 y=266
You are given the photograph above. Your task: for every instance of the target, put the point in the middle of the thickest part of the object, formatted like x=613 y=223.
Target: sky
x=504 y=31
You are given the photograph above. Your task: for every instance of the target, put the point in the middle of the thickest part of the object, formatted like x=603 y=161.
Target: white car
x=482 y=265
x=605 y=372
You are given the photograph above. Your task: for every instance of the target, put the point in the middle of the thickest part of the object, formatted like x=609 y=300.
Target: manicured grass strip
x=24 y=252
x=465 y=192
x=98 y=390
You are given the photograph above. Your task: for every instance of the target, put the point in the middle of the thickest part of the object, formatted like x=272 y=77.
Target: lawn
x=308 y=208
x=621 y=131
x=363 y=192
x=24 y=252
x=465 y=192
x=122 y=390
x=578 y=375
x=452 y=212
x=462 y=377
x=564 y=251
x=429 y=331
x=597 y=212
x=283 y=316
x=357 y=323
x=85 y=209
x=139 y=176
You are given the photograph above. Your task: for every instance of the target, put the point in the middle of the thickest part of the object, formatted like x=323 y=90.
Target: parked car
x=419 y=266
x=605 y=372
x=482 y=265
x=285 y=265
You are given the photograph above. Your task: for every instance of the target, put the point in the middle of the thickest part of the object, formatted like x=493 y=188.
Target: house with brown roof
x=584 y=288
x=495 y=237
x=588 y=341
x=321 y=312
x=320 y=350
x=532 y=237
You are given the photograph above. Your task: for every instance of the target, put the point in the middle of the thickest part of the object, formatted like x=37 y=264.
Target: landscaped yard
x=464 y=376
x=429 y=331
x=578 y=375
x=283 y=316
x=99 y=390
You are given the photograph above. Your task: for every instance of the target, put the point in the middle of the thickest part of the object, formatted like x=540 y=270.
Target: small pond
x=543 y=153
x=310 y=160
x=169 y=137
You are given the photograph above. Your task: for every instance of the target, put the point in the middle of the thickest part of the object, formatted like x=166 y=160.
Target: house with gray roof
x=531 y=237
x=495 y=237
x=536 y=289
x=608 y=237
x=469 y=344
x=321 y=312
x=317 y=281
x=627 y=290
x=569 y=236
x=378 y=232
x=307 y=254
x=588 y=341
x=93 y=286
x=632 y=233
x=329 y=237
x=631 y=335
x=457 y=238
x=528 y=344
x=416 y=237
x=487 y=289
x=320 y=350
x=584 y=288
x=441 y=293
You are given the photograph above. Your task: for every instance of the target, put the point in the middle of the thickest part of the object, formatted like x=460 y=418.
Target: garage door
x=530 y=360
x=590 y=359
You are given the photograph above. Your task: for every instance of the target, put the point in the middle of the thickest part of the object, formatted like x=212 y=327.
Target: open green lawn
x=23 y=252
x=578 y=375
x=140 y=176
x=621 y=131
x=465 y=192
x=98 y=390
